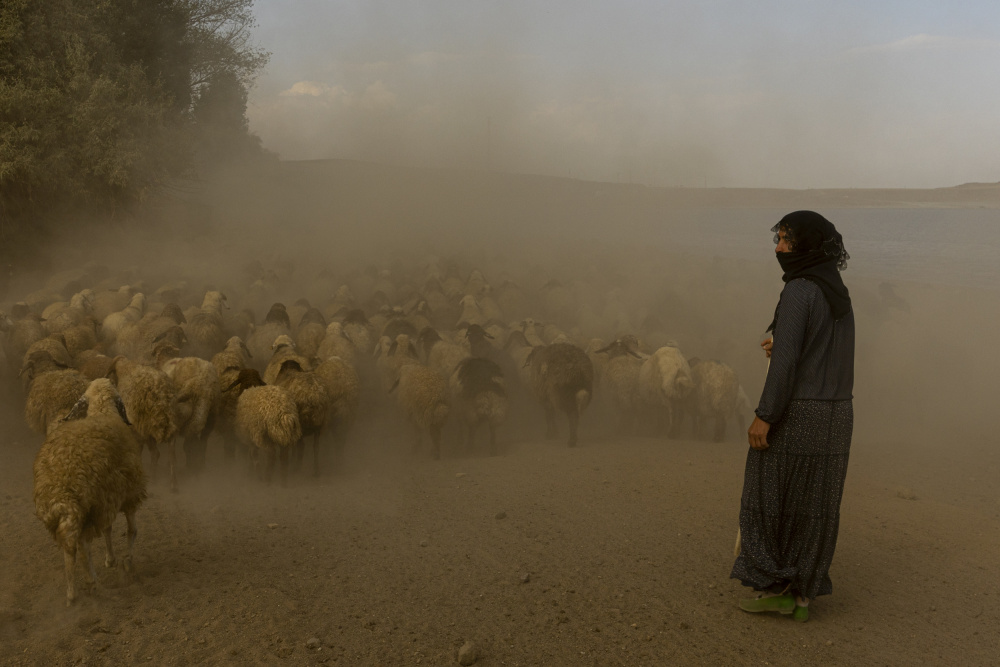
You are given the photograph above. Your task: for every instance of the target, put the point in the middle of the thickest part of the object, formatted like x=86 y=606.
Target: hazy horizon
x=675 y=94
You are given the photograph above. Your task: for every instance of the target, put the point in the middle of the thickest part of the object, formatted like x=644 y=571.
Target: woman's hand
x=767 y=345
x=757 y=434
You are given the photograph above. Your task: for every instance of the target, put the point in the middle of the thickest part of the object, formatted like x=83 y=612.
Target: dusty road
x=615 y=553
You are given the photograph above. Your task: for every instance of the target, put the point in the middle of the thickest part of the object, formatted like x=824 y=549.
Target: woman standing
x=801 y=437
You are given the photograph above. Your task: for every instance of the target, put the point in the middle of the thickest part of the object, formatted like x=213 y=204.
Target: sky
x=717 y=93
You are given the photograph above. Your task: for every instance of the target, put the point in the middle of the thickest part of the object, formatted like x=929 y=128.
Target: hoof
x=110 y=562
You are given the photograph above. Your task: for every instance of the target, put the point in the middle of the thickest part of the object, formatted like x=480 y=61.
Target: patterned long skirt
x=790 y=511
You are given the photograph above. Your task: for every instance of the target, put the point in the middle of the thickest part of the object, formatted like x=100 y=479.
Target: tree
x=102 y=101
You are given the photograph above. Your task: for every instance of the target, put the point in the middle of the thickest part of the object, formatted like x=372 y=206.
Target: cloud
x=925 y=42
x=309 y=88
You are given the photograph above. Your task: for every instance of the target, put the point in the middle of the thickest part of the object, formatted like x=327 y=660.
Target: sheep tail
x=285 y=430
x=440 y=415
x=582 y=399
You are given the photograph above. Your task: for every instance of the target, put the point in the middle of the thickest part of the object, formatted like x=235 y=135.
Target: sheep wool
x=422 y=394
x=87 y=471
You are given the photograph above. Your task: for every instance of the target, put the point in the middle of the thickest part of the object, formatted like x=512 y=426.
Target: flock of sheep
x=108 y=369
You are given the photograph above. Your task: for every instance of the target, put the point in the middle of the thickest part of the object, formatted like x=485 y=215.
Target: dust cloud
x=595 y=260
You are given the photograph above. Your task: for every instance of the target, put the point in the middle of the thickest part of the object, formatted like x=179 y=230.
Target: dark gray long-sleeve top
x=813 y=355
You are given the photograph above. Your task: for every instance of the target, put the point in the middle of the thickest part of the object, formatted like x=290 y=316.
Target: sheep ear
x=413 y=350
x=112 y=373
x=378 y=352
x=393 y=387
x=392 y=348
x=634 y=354
x=488 y=335
x=233 y=385
x=78 y=411
x=27 y=368
x=161 y=336
x=246 y=349
x=603 y=349
x=121 y=410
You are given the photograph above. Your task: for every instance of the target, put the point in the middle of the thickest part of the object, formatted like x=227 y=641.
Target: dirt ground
x=614 y=553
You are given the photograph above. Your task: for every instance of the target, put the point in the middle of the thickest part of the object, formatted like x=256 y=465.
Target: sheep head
x=102 y=397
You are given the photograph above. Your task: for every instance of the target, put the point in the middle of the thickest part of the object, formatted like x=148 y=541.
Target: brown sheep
x=228 y=365
x=198 y=399
x=423 y=398
x=343 y=387
x=52 y=390
x=267 y=421
x=87 y=471
x=311 y=401
x=150 y=399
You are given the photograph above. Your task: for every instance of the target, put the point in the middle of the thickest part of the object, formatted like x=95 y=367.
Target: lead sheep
x=87 y=471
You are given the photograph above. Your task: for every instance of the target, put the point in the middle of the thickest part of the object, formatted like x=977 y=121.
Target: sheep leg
x=493 y=440
x=470 y=435
x=300 y=449
x=574 y=422
x=109 y=558
x=229 y=448
x=316 y=454
x=154 y=457
x=435 y=442
x=720 y=428
x=90 y=576
x=131 y=531
x=69 y=562
x=269 y=468
x=417 y=440
x=172 y=458
x=283 y=456
x=551 y=431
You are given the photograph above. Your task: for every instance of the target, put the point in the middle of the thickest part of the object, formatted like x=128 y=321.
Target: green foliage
x=104 y=101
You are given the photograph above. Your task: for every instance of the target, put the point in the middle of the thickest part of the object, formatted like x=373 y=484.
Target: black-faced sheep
x=311 y=401
x=562 y=376
x=150 y=399
x=621 y=380
x=479 y=396
x=267 y=421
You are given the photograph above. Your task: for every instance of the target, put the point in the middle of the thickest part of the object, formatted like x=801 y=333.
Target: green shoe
x=784 y=604
x=801 y=614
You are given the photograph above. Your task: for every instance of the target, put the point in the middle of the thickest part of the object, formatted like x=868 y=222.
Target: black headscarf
x=818 y=255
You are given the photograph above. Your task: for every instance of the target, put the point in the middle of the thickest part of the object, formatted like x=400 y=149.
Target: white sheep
x=716 y=396
x=664 y=383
